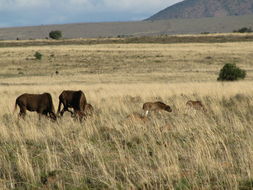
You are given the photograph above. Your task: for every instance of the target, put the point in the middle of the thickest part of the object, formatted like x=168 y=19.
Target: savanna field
x=184 y=149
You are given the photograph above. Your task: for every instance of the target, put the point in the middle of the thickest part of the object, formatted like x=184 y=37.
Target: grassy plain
x=184 y=149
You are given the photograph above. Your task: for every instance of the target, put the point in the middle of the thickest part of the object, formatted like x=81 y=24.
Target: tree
x=230 y=72
x=55 y=34
x=244 y=30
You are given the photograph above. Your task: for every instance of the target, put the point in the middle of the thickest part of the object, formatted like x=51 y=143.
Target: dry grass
x=122 y=63
x=184 y=149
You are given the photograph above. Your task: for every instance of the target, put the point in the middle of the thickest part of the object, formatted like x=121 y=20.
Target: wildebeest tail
x=16 y=104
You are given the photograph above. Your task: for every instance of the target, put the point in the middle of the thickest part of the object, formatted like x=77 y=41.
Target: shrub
x=230 y=72
x=55 y=34
x=205 y=33
x=37 y=55
x=244 y=30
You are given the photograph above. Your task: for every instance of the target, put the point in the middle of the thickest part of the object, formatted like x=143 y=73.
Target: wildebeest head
x=168 y=108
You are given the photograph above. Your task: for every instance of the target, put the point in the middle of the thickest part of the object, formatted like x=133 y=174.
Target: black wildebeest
x=155 y=106
x=41 y=103
x=72 y=99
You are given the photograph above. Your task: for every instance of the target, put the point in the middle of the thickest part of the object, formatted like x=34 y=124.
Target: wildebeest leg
x=22 y=112
x=59 y=107
x=40 y=116
x=146 y=113
x=62 y=112
x=69 y=111
x=204 y=109
x=52 y=116
x=65 y=109
x=81 y=115
x=42 y=112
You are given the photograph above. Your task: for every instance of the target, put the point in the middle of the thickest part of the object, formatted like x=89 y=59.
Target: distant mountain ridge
x=205 y=8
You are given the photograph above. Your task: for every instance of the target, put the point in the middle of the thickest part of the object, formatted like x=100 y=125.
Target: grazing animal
x=197 y=105
x=41 y=103
x=155 y=106
x=136 y=117
x=72 y=99
x=88 y=109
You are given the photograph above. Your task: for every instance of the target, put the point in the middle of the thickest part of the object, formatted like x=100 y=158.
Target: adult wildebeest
x=41 y=103
x=72 y=99
x=197 y=105
x=155 y=106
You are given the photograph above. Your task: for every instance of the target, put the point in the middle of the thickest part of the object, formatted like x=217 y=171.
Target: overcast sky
x=42 y=12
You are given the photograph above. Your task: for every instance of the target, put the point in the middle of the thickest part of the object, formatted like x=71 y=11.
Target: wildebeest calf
x=155 y=106
x=88 y=109
x=136 y=117
x=72 y=99
x=41 y=103
x=197 y=105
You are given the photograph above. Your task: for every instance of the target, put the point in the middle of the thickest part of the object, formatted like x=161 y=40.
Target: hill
x=141 y=28
x=205 y=8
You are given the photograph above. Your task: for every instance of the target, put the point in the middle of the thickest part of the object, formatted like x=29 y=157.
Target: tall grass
x=185 y=149
x=122 y=63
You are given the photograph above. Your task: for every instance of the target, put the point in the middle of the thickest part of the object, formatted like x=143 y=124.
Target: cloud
x=37 y=12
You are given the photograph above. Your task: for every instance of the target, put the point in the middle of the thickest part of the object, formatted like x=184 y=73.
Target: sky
x=43 y=12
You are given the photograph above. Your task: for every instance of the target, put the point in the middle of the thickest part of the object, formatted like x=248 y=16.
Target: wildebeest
x=155 y=106
x=72 y=99
x=88 y=109
x=197 y=105
x=137 y=117
x=41 y=103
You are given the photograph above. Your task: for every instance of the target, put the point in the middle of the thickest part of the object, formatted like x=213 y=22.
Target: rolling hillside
x=205 y=8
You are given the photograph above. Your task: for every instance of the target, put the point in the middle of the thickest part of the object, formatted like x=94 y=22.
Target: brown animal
x=72 y=99
x=197 y=105
x=155 y=106
x=88 y=109
x=41 y=103
x=136 y=117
